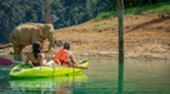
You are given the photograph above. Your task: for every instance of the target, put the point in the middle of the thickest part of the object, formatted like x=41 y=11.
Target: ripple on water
x=103 y=76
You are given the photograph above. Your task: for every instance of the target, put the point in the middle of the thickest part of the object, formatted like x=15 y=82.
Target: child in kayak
x=64 y=56
x=36 y=57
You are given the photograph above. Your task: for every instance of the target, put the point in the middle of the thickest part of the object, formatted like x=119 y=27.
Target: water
x=103 y=76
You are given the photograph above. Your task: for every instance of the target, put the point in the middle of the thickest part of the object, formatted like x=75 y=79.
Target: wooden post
x=47 y=13
x=120 y=8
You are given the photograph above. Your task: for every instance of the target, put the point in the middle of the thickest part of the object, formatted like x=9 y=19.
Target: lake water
x=103 y=76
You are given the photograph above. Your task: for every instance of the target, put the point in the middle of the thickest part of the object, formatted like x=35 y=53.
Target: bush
x=106 y=15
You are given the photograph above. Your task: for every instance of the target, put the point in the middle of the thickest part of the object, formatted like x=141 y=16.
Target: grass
x=159 y=9
x=101 y=24
x=106 y=15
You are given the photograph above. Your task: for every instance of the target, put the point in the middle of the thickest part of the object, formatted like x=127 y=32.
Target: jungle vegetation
x=65 y=13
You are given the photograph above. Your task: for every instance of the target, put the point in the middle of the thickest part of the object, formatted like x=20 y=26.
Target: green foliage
x=159 y=9
x=15 y=12
x=101 y=24
x=133 y=3
x=65 y=13
x=111 y=4
x=156 y=8
x=106 y=15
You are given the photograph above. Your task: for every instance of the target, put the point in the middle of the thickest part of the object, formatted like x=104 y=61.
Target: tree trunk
x=121 y=40
x=121 y=46
x=47 y=13
x=120 y=78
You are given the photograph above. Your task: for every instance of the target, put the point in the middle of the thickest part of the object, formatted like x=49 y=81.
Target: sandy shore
x=145 y=35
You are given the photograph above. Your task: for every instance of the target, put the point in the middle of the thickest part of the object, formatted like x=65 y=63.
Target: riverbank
x=145 y=35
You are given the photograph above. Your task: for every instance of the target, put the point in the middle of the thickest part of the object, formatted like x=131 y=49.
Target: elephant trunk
x=51 y=39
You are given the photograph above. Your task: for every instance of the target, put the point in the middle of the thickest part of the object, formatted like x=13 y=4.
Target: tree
x=47 y=13
x=64 y=13
x=120 y=8
x=90 y=6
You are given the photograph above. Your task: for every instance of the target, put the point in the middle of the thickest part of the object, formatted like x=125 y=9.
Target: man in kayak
x=36 y=57
x=64 y=56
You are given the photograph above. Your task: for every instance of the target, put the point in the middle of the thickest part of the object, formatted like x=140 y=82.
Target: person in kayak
x=64 y=56
x=36 y=57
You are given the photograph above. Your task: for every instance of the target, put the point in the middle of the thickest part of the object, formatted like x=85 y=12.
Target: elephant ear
x=45 y=30
x=40 y=30
x=48 y=27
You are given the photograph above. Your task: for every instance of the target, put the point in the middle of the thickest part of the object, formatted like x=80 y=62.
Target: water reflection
x=120 y=78
x=105 y=76
x=18 y=57
x=59 y=85
x=120 y=70
x=13 y=57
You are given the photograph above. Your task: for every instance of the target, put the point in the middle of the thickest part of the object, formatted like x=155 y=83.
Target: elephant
x=28 y=33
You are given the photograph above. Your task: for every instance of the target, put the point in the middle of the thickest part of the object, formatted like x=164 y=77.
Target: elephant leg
x=15 y=49
x=20 y=49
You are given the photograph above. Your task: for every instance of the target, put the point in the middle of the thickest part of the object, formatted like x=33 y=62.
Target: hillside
x=145 y=35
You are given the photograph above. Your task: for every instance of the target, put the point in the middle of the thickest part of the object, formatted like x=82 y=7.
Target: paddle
x=8 y=62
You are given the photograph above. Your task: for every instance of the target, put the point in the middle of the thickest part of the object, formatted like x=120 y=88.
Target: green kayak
x=27 y=83
x=46 y=71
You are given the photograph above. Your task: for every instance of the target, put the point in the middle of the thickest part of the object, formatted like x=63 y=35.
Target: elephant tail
x=6 y=46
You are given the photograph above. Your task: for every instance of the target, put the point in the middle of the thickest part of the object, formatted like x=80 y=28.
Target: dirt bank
x=145 y=35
